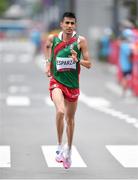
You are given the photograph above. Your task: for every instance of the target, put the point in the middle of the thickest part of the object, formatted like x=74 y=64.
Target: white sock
x=59 y=147
x=68 y=152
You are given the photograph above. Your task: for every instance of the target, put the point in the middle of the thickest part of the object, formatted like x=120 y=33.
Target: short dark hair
x=69 y=15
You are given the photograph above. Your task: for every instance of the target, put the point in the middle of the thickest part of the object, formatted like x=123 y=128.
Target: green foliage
x=4 y=4
x=132 y=5
x=133 y=9
x=37 y=7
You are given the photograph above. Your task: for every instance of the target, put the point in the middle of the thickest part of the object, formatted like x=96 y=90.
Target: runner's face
x=68 y=25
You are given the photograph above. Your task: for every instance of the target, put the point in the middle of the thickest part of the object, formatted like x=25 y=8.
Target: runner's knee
x=60 y=111
x=70 y=121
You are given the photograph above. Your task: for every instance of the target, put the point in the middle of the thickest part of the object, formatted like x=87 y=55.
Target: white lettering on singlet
x=65 y=63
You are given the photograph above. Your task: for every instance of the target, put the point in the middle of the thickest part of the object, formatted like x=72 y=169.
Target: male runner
x=63 y=60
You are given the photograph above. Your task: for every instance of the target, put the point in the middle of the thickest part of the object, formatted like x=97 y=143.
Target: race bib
x=65 y=63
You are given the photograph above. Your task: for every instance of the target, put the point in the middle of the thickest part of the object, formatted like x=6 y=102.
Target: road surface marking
x=25 y=58
x=103 y=105
x=96 y=101
x=127 y=155
x=136 y=125
x=9 y=58
x=40 y=62
x=112 y=69
x=16 y=78
x=49 y=155
x=114 y=88
x=17 y=89
x=117 y=89
x=5 y=156
x=18 y=101
x=48 y=101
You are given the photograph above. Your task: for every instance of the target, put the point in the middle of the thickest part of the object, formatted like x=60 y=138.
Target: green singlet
x=63 y=68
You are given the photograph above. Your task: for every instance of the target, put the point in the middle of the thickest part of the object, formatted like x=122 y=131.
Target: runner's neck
x=65 y=37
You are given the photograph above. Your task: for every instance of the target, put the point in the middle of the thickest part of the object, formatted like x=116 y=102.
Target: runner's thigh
x=58 y=98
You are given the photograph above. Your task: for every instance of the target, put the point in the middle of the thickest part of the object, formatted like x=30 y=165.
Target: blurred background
x=107 y=117
x=44 y=15
x=25 y=17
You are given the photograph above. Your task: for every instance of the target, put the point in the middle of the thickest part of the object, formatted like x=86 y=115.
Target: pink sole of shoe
x=59 y=161
x=66 y=166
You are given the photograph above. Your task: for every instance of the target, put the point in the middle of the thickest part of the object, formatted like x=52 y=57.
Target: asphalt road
x=106 y=129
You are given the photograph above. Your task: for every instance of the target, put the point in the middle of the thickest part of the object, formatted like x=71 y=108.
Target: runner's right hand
x=47 y=70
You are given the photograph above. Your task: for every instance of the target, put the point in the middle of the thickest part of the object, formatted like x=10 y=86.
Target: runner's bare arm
x=85 y=53
x=48 y=47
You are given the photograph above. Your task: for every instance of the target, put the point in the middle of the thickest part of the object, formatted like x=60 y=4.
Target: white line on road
x=127 y=155
x=48 y=101
x=40 y=62
x=5 y=156
x=25 y=58
x=16 y=89
x=112 y=69
x=16 y=78
x=103 y=106
x=18 y=101
x=9 y=58
x=129 y=98
x=114 y=88
x=49 y=155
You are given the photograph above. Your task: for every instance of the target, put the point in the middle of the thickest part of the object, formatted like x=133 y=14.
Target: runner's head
x=68 y=22
x=68 y=15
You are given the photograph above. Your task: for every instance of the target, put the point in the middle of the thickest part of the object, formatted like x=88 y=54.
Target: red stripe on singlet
x=62 y=45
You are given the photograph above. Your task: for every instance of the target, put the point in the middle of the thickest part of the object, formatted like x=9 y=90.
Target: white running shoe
x=67 y=162
x=67 y=158
x=59 y=155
